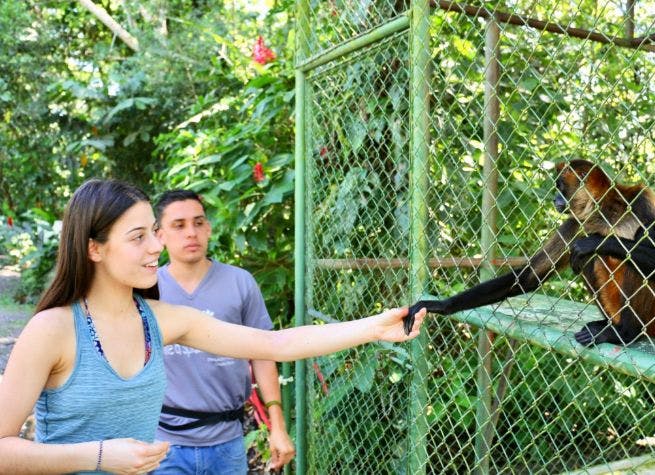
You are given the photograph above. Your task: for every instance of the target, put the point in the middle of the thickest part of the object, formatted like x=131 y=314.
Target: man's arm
x=282 y=448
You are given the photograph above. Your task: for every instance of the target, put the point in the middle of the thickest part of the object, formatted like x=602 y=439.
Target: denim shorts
x=228 y=458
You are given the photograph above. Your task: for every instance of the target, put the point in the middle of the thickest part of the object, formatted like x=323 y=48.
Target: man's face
x=184 y=230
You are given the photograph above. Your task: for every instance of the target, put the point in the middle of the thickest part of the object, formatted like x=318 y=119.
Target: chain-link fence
x=427 y=138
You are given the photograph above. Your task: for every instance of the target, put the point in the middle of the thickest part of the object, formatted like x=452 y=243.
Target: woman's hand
x=389 y=325
x=130 y=457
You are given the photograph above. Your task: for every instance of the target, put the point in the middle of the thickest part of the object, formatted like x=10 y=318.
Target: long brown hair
x=90 y=214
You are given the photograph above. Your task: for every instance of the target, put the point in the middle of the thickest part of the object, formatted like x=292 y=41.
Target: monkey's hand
x=582 y=249
x=598 y=331
x=434 y=306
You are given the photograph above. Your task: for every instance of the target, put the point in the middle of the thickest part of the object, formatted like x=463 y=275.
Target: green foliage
x=31 y=245
x=252 y=220
x=368 y=378
x=78 y=103
x=258 y=440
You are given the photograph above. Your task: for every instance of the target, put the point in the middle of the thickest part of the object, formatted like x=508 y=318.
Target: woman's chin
x=146 y=283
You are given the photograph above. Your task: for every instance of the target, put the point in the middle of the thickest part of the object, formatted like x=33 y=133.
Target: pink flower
x=261 y=53
x=258 y=172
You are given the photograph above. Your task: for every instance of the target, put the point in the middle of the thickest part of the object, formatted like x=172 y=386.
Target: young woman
x=91 y=358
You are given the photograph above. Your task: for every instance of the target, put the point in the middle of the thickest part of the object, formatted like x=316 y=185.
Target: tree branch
x=112 y=24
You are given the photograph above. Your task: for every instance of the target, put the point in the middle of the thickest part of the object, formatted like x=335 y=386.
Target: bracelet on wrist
x=99 y=464
x=274 y=402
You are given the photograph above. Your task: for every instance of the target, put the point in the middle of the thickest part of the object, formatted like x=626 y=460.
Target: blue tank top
x=95 y=403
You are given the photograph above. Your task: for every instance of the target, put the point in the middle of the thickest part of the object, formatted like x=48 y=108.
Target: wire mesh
x=357 y=187
x=548 y=405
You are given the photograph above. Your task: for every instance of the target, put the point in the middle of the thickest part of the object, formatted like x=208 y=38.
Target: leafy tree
x=77 y=102
x=238 y=153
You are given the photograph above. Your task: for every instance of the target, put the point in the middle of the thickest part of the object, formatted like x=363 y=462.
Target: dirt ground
x=13 y=317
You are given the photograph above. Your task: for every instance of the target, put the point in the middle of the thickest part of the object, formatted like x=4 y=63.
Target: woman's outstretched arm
x=191 y=327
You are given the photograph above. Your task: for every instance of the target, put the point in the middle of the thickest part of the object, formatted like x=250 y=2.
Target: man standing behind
x=203 y=407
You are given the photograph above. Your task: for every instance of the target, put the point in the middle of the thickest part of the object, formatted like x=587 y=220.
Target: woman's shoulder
x=169 y=326
x=175 y=320
x=48 y=336
x=53 y=322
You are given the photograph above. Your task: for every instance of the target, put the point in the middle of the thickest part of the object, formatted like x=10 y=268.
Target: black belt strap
x=202 y=418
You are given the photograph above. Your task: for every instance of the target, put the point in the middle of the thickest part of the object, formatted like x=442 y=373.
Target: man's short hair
x=171 y=196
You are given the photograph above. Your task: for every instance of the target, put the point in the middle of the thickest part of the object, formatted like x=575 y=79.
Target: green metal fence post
x=356 y=44
x=302 y=39
x=484 y=424
x=287 y=402
x=420 y=142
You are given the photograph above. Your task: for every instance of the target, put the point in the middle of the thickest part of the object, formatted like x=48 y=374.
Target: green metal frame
x=488 y=240
x=302 y=9
x=418 y=271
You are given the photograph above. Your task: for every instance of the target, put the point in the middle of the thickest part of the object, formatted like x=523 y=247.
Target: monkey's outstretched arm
x=553 y=256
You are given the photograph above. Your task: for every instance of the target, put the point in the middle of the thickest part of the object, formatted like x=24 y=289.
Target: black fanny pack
x=202 y=418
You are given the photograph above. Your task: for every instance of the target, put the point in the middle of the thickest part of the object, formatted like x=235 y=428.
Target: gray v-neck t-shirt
x=202 y=381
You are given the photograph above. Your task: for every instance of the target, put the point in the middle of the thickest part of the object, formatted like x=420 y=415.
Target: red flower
x=262 y=54
x=333 y=8
x=323 y=152
x=258 y=173
x=10 y=221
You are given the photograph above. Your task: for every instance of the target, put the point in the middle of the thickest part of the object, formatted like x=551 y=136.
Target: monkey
x=605 y=224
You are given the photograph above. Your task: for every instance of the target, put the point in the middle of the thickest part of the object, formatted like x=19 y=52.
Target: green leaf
x=280 y=160
x=278 y=191
x=240 y=242
x=356 y=134
x=465 y=47
x=100 y=144
x=226 y=185
x=127 y=141
x=210 y=159
x=364 y=374
x=338 y=390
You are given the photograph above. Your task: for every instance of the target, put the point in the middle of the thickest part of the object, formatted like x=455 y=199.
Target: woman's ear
x=94 y=251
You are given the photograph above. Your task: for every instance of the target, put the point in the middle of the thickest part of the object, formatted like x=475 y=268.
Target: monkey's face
x=565 y=183
x=559 y=201
x=574 y=195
